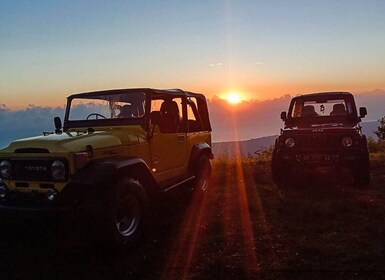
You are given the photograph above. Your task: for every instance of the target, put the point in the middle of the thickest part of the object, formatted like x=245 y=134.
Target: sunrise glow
x=233 y=98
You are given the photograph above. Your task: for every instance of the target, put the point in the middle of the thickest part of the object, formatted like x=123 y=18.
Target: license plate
x=317 y=157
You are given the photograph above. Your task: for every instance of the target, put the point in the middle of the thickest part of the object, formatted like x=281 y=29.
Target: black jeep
x=321 y=131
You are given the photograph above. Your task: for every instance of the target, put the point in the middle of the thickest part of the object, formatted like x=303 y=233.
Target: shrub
x=376 y=146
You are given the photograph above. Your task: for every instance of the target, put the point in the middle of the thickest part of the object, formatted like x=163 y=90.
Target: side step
x=179 y=183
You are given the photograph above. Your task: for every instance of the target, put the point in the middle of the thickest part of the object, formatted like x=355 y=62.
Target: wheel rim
x=128 y=215
x=203 y=177
x=204 y=185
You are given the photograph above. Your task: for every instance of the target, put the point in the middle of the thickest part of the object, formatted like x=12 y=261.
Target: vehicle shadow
x=47 y=249
x=303 y=179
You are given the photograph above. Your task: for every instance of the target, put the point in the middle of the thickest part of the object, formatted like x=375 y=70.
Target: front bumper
x=313 y=158
x=33 y=203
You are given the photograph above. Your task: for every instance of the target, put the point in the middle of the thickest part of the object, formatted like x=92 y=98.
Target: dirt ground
x=245 y=228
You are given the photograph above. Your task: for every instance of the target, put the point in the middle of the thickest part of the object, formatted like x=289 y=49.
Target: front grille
x=36 y=169
x=31 y=169
x=318 y=142
x=21 y=185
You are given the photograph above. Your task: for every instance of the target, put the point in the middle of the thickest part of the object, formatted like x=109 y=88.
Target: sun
x=233 y=98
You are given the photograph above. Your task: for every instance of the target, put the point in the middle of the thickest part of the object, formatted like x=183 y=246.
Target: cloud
x=31 y=121
x=247 y=120
x=3 y=108
x=374 y=101
x=216 y=64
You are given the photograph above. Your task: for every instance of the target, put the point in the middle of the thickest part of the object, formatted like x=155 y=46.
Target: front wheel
x=361 y=176
x=127 y=213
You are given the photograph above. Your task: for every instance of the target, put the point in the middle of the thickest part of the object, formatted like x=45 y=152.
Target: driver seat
x=308 y=111
x=338 y=110
x=127 y=111
x=170 y=117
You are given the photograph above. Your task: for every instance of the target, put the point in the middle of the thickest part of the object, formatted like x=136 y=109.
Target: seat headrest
x=169 y=107
x=308 y=110
x=338 y=109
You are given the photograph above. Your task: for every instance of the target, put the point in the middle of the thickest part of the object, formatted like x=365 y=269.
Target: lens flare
x=233 y=98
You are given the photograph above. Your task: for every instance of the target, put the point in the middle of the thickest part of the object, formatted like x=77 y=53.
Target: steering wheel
x=96 y=116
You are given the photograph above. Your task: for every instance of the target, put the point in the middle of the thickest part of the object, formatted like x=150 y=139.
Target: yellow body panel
x=127 y=141
x=166 y=155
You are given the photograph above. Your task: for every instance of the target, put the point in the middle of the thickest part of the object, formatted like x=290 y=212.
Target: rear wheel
x=202 y=174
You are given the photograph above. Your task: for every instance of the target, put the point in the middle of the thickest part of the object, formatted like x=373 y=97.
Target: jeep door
x=168 y=143
x=198 y=125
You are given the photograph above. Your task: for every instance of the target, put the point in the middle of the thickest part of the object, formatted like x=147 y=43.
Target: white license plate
x=317 y=157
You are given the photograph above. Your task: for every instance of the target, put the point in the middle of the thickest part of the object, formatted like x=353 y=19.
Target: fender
x=97 y=174
x=197 y=150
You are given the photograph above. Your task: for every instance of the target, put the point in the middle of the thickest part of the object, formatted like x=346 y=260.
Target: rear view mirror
x=363 y=112
x=283 y=116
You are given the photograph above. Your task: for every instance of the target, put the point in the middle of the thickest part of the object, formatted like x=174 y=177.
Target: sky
x=261 y=49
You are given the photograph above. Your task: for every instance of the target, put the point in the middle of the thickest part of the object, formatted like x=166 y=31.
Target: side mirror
x=363 y=112
x=58 y=125
x=283 y=116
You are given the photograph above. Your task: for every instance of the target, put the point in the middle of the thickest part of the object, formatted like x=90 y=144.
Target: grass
x=245 y=228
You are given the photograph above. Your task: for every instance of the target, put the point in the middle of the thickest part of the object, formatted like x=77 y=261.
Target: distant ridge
x=247 y=147
x=368 y=129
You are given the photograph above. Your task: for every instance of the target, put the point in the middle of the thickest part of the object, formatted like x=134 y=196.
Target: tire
x=127 y=211
x=202 y=175
x=361 y=176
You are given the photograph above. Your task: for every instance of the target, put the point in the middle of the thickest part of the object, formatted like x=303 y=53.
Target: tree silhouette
x=380 y=132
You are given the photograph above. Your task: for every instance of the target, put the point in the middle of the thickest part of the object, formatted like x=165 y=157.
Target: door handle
x=181 y=138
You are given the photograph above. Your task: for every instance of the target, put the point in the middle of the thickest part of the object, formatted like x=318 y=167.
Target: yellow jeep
x=116 y=151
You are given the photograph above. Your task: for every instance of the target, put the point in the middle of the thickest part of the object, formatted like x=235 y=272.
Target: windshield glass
x=110 y=106
x=321 y=108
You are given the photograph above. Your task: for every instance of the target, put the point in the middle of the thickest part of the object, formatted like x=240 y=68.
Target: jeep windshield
x=109 y=108
x=316 y=110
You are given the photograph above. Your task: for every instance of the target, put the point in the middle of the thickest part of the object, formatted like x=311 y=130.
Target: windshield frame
x=351 y=118
x=142 y=120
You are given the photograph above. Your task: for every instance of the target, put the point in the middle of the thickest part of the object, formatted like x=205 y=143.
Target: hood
x=76 y=141
x=321 y=128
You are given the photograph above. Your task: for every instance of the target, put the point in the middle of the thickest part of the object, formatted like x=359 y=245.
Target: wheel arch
x=196 y=151
x=99 y=173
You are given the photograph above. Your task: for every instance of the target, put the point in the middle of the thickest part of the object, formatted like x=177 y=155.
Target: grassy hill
x=246 y=227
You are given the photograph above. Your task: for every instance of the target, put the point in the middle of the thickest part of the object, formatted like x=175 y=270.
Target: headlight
x=289 y=142
x=3 y=191
x=51 y=194
x=5 y=169
x=58 y=170
x=347 y=142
